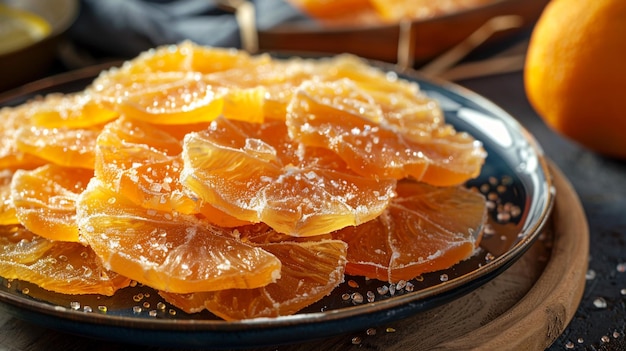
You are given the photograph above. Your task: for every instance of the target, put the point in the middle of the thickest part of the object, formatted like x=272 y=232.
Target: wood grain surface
x=525 y=308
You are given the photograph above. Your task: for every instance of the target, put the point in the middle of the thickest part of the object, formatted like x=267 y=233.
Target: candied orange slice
x=168 y=251
x=44 y=200
x=7 y=210
x=167 y=86
x=341 y=117
x=178 y=131
x=78 y=110
x=257 y=174
x=68 y=268
x=175 y=98
x=62 y=146
x=277 y=78
x=425 y=229
x=161 y=97
x=134 y=158
x=393 y=11
x=10 y=156
x=401 y=105
x=350 y=12
x=143 y=162
x=366 y=76
x=190 y=57
x=310 y=271
x=245 y=104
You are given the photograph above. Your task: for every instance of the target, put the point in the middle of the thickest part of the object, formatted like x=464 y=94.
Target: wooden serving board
x=525 y=308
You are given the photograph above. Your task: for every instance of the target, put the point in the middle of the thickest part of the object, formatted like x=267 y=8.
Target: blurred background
x=49 y=36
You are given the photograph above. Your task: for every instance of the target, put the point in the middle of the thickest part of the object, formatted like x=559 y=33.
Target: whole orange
x=575 y=72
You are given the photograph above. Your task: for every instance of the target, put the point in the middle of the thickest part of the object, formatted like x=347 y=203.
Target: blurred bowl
x=429 y=37
x=32 y=61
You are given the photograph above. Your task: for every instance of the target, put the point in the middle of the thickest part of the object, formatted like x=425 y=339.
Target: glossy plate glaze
x=515 y=178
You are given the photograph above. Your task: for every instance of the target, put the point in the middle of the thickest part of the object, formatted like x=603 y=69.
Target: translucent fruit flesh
x=342 y=117
x=256 y=174
x=310 y=271
x=44 y=200
x=241 y=184
x=425 y=229
x=68 y=268
x=168 y=252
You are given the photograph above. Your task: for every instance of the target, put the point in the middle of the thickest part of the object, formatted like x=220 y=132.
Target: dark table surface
x=600 y=322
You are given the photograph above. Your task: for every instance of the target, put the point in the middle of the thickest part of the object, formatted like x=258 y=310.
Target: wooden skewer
x=451 y=57
x=246 y=20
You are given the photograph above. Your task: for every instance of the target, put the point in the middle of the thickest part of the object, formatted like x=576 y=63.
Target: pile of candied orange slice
x=241 y=184
x=368 y=12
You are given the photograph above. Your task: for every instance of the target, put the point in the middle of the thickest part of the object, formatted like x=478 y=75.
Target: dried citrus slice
x=167 y=86
x=425 y=229
x=164 y=98
x=7 y=210
x=62 y=146
x=340 y=116
x=143 y=163
x=278 y=78
x=190 y=57
x=396 y=10
x=137 y=160
x=169 y=252
x=310 y=271
x=174 y=98
x=339 y=12
x=78 y=110
x=68 y=268
x=44 y=200
x=366 y=76
x=257 y=174
x=402 y=106
x=10 y=156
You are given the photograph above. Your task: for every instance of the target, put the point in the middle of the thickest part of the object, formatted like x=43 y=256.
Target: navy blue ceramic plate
x=515 y=178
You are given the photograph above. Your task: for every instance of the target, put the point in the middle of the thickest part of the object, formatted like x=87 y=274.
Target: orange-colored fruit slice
x=190 y=57
x=257 y=174
x=393 y=11
x=138 y=160
x=159 y=97
x=44 y=200
x=10 y=156
x=62 y=146
x=68 y=268
x=399 y=105
x=310 y=271
x=7 y=210
x=167 y=251
x=339 y=12
x=78 y=110
x=425 y=229
x=167 y=86
x=277 y=78
x=143 y=162
x=343 y=118
x=174 y=98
